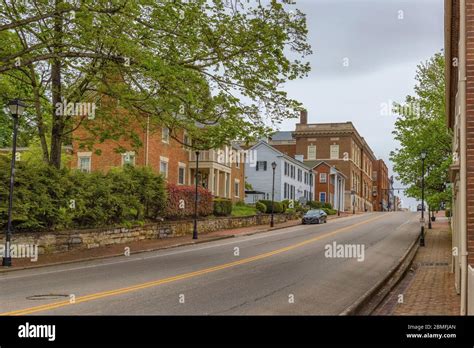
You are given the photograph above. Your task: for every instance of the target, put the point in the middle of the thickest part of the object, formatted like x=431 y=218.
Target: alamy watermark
x=66 y=108
x=20 y=251
x=391 y=108
x=227 y=155
x=346 y=251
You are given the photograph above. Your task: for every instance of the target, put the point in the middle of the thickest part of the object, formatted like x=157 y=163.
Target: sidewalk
x=144 y=245
x=428 y=288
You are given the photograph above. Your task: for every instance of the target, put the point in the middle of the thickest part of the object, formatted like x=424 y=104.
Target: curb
x=93 y=258
x=374 y=296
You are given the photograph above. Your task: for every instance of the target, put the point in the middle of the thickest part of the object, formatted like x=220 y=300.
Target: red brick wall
x=470 y=127
x=323 y=187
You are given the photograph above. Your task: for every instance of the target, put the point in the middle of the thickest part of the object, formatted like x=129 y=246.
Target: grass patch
x=243 y=210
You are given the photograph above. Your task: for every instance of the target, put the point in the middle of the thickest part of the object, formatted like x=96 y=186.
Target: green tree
x=214 y=68
x=421 y=125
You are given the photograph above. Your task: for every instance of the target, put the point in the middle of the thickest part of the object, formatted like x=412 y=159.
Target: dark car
x=420 y=207
x=315 y=216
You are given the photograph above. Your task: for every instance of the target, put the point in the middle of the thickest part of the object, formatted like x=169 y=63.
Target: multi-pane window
x=286 y=168
x=322 y=178
x=164 y=166
x=300 y=175
x=261 y=165
x=236 y=188
x=334 y=151
x=181 y=174
x=85 y=164
x=311 y=152
x=165 y=135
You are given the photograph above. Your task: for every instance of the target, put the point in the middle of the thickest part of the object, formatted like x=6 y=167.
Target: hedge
x=261 y=208
x=222 y=207
x=181 y=200
x=277 y=206
x=47 y=198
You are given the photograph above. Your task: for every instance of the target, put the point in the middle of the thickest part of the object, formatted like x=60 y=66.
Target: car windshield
x=313 y=212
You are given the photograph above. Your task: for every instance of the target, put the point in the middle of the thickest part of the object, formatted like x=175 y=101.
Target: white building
x=293 y=179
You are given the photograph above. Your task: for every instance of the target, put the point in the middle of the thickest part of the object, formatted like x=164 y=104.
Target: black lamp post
x=273 y=191
x=195 y=230
x=422 y=221
x=310 y=185
x=16 y=107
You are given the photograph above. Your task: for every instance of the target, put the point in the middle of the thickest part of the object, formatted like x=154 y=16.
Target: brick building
x=381 y=186
x=459 y=54
x=218 y=173
x=339 y=145
x=329 y=184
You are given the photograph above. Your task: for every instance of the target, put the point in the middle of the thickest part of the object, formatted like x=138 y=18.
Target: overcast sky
x=365 y=56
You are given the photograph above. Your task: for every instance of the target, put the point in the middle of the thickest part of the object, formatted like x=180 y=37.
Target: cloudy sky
x=365 y=56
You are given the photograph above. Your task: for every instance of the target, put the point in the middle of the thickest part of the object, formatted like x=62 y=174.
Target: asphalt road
x=284 y=271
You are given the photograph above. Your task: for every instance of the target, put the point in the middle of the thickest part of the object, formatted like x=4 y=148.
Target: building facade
x=330 y=184
x=459 y=57
x=381 y=186
x=339 y=145
x=293 y=179
x=164 y=152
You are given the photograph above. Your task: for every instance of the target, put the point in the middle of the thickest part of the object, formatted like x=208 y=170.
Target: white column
x=211 y=180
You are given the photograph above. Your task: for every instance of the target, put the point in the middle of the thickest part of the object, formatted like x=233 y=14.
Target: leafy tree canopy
x=212 y=67
x=421 y=125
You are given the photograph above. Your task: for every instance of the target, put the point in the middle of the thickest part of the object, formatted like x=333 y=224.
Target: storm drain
x=47 y=297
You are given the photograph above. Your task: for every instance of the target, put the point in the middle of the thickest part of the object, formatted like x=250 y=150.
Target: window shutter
x=265 y=165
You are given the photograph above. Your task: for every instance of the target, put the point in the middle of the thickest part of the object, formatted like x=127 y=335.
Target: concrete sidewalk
x=428 y=288
x=144 y=245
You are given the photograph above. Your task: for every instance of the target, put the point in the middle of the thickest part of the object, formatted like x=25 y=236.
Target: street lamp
x=422 y=221
x=195 y=230
x=17 y=107
x=273 y=191
x=310 y=185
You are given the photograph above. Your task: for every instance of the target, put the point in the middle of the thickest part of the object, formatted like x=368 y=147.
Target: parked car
x=315 y=216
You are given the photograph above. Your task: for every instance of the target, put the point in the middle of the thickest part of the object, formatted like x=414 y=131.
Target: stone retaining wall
x=60 y=241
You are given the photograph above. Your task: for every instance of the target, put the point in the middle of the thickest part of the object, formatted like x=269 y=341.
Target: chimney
x=304 y=117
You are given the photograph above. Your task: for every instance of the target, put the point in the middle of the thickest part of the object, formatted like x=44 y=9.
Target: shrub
x=181 y=201
x=330 y=211
x=447 y=213
x=290 y=211
x=261 y=208
x=327 y=205
x=47 y=198
x=315 y=205
x=277 y=206
x=222 y=207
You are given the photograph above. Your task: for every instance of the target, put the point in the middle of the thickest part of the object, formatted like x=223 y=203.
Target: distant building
x=339 y=145
x=381 y=186
x=293 y=179
x=330 y=184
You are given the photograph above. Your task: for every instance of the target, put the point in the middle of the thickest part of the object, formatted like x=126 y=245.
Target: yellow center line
x=137 y=287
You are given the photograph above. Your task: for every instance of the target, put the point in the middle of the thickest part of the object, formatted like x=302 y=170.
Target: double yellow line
x=146 y=285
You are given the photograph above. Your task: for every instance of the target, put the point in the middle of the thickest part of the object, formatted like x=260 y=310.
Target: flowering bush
x=181 y=201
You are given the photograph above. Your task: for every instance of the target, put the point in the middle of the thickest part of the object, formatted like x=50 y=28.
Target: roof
x=282 y=136
x=314 y=164
x=281 y=154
